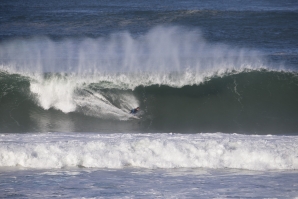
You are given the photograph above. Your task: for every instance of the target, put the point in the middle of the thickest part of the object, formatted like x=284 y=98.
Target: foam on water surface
x=57 y=150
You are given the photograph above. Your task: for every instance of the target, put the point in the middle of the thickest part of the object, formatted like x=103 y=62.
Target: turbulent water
x=217 y=84
x=150 y=151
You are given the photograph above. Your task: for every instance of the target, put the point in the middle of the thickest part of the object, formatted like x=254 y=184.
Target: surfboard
x=135 y=117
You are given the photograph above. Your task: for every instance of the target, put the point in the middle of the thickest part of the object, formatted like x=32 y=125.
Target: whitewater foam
x=53 y=150
x=55 y=92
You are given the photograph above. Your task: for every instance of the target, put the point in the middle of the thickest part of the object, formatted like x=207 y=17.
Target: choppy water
x=144 y=183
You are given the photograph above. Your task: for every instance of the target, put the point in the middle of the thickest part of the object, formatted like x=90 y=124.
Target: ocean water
x=217 y=84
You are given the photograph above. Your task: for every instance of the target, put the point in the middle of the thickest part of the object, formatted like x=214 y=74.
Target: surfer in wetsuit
x=135 y=110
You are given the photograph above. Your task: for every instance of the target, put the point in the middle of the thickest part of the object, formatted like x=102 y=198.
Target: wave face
x=182 y=83
x=54 y=150
x=246 y=102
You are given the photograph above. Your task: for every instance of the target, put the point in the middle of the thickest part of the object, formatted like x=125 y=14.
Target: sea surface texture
x=216 y=83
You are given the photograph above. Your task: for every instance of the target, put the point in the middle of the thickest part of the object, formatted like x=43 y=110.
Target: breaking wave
x=52 y=150
x=182 y=83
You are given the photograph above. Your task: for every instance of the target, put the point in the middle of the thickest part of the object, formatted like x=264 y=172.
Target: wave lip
x=152 y=151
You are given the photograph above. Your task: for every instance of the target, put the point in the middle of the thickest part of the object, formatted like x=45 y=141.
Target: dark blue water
x=266 y=25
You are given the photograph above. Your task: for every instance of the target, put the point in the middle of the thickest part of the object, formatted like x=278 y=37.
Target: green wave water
x=252 y=102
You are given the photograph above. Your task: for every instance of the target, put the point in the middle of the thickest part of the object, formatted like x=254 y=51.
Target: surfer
x=135 y=110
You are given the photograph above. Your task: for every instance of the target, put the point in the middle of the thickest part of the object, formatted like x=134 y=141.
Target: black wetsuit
x=134 y=111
